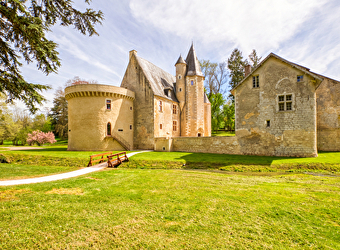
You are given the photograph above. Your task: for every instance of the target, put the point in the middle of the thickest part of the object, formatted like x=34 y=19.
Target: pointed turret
x=180 y=60
x=193 y=68
x=181 y=69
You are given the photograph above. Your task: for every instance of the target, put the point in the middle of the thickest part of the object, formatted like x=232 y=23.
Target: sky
x=306 y=32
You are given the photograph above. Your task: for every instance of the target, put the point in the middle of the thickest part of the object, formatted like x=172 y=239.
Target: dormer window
x=256 y=82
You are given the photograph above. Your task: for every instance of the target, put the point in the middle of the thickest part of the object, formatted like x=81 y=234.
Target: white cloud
x=248 y=24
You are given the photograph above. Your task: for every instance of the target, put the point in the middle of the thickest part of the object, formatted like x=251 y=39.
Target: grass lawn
x=223 y=133
x=172 y=209
x=20 y=171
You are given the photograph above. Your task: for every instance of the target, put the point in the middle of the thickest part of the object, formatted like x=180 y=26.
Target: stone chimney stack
x=132 y=52
x=247 y=70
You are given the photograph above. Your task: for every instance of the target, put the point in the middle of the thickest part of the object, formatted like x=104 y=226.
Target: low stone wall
x=252 y=144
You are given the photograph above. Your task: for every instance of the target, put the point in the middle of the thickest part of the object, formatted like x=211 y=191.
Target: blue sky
x=306 y=32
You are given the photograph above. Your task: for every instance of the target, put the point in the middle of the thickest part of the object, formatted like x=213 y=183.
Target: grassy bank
x=172 y=209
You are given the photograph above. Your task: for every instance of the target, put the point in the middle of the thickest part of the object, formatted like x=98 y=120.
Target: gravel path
x=61 y=176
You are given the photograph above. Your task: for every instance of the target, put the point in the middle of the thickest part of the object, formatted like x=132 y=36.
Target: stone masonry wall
x=291 y=132
x=328 y=115
x=135 y=80
x=88 y=117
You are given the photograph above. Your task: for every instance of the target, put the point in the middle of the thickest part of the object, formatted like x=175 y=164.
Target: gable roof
x=297 y=66
x=193 y=68
x=159 y=79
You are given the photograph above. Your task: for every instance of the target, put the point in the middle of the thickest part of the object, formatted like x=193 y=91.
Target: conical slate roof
x=193 y=68
x=180 y=60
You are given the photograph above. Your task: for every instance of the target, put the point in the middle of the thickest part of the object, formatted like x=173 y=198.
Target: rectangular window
x=300 y=78
x=174 y=125
x=285 y=102
x=160 y=126
x=160 y=106
x=108 y=104
x=268 y=123
x=174 y=109
x=256 y=82
x=130 y=127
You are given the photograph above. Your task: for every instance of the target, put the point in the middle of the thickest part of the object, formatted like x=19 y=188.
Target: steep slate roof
x=302 y=68
x=180 y=60
x=159 y=79
x=193 y=67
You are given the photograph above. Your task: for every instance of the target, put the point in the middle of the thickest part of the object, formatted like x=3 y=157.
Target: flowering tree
x=40 y=138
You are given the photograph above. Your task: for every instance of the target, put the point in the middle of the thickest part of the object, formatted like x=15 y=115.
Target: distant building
x=150 y=103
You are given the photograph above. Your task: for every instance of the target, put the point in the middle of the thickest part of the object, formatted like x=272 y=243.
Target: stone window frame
x=108 y=102
x=285 y=102
x=174 y=125
x=174 y=109
x=256 y=81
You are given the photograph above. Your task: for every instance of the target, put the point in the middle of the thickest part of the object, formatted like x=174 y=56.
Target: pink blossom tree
x=40 y=138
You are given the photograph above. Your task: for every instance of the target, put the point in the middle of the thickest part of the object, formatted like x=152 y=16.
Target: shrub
x=40 y=138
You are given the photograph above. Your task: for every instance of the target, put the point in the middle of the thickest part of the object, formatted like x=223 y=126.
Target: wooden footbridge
x=113 y=160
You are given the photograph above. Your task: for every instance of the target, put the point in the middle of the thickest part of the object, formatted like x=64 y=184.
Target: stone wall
x=265 y=130
x=165 y=117
x=328 y=115
x=135 y=80
x=88 y=117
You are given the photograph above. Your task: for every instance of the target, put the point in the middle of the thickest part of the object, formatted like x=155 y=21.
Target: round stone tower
x=181 y=69
x=100 y=117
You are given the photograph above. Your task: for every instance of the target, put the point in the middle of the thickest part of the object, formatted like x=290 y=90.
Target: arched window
x=108 y=128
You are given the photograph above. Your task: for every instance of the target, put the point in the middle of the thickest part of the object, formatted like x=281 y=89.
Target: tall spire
x=193 y=68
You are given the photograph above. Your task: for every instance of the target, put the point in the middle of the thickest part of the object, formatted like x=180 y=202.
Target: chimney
x=132 y=52
x=247 y=70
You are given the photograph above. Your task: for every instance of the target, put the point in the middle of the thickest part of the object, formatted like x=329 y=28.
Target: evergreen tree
x=59 y=115
x=254 y=59
x=236 y=65
x=23 y=26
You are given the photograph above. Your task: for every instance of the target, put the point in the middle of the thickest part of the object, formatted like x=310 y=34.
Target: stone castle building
x=281 y=109
x=150 y=103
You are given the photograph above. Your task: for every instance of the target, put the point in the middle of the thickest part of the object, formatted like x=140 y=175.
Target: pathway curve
x=63 y=175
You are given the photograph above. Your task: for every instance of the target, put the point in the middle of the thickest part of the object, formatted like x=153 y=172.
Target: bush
x=4 y=159
x=40 y=138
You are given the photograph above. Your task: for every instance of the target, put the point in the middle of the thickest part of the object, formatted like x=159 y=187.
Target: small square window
x=288 y=97
x=180 y=90
x=288 y=106
x=268 y=123
x=281 y=98
x=300 y=78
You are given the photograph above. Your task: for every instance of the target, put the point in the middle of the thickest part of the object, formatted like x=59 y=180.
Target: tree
x=77 y=80
x=23 y=28
x=217 y=116
x=59 y=114
x=229 y=115
x=236 y=65
x=40 y=138
x=216 y=77
x=254 y=58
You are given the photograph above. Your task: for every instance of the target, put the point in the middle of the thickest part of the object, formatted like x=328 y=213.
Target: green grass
x=20 y=171
x=172 y=209
x=223 y=133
